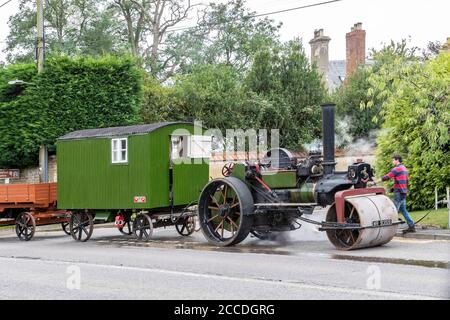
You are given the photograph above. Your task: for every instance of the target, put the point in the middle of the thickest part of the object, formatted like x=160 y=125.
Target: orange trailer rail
x=32 y=205
x=39 y=195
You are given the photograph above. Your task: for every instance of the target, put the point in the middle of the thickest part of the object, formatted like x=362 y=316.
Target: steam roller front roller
x=376 y=216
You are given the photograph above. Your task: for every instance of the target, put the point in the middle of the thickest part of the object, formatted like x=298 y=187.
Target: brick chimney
x=356 y=48
x=319 y=52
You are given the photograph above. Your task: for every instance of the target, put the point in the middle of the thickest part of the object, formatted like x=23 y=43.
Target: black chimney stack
x=328 y=137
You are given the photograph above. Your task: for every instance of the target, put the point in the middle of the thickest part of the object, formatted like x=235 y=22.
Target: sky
x=384 y=20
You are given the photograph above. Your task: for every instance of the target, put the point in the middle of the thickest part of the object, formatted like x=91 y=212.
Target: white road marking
x=277 y=282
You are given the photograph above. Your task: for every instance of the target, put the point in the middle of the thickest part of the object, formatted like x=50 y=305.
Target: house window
x=119 y=149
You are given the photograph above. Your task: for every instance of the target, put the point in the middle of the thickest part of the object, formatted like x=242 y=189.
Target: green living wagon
x=146 y=176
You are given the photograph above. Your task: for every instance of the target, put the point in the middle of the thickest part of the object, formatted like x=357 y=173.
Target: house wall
x=31 y=175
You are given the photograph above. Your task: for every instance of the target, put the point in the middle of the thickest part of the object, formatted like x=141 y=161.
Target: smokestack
x=328 y=110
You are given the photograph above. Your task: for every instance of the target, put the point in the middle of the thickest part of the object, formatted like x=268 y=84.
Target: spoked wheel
x=81 y=226
x=343 y=238
x=25 y=226
x=143 y=227
x=66 y=227
x=126 y=228
x=224 y=208
x=227 y=169
x=186 y=227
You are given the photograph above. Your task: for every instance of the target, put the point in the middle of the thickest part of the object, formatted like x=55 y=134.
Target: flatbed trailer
x=29 y=205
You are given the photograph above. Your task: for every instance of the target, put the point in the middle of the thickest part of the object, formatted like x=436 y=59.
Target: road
x=301 y=265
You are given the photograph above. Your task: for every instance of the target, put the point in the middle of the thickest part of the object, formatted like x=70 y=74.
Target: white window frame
x=119 y=151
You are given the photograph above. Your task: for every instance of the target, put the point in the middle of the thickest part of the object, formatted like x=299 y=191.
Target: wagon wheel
x=227 y=169
x=25 y=226
x=224 y=208
x=143 y=227
x=187 y=227
x=343 y=239
x=66 y=227
x=126 y=229
x=81 y=226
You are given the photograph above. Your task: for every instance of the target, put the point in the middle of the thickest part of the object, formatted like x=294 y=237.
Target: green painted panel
x=88 y=180
x=280 y=179
x=239 y=171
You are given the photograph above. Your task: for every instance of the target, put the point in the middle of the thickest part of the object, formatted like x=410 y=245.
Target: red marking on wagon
x=140 y=199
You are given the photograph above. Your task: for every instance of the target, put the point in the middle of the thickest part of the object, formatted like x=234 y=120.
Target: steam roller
x=278 y=192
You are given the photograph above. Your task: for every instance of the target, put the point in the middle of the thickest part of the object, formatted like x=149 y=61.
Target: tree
x=360 y=99
x=71 y=27
x=148 y=23
x=71 y=94
x=416 y=124
x=283 y=75
x=351 y=99
x=227 y=33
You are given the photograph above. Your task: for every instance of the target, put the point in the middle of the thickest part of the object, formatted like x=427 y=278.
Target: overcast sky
x=383 y=20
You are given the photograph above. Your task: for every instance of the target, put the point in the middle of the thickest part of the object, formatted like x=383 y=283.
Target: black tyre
x=224 y=210
x=25 y=226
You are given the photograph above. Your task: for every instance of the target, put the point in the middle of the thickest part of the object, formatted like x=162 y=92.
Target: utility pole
x=40 y=35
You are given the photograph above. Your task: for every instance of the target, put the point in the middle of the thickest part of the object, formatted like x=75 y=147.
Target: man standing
x=400 y=175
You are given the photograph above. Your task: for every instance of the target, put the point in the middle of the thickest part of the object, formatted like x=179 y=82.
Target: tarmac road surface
x=300 y=265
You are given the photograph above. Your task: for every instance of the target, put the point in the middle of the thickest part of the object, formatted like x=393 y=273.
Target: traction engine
x=274 y=195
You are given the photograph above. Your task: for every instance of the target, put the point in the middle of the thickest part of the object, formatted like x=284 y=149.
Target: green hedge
x=71 y=94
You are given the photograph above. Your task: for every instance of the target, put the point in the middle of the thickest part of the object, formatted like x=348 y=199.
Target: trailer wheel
x=143 y=227
x=224 y=208
x=25 y=226
x=126 y=229
x=66 y=227
x=187 y=227
x=81 y=226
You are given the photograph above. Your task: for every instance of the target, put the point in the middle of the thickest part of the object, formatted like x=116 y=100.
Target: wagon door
x=189 y=167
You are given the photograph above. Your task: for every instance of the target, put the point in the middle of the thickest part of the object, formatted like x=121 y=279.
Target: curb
x=425 y=236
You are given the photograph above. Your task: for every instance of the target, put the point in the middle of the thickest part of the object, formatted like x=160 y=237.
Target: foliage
x=416 y=123
x=71 y=94
x=71 y=27
x=227 y=33
x=283 y=75
x=281 y=91
x=350 y=111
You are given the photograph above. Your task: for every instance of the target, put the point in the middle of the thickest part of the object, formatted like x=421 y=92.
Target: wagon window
x=200 y=147
x=119 y=149
x=179 y=147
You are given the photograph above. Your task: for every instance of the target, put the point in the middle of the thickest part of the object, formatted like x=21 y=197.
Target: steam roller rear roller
x=376 y=216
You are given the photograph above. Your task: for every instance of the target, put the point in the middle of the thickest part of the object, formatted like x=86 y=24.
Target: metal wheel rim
x=222 y=218
x=81 y=226
x=25 y=226
x=188 y=226
x=143 y=227
x=130 y=230
x=344 y=239
x=66 y=227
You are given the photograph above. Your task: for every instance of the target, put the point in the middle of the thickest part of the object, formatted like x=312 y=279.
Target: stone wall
x=31 y=175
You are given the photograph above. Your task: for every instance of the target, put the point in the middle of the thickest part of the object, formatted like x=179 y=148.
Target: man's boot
x=409 y=229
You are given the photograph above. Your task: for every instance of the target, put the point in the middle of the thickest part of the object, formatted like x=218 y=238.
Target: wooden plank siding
x=40 y=195
x=87 y=178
